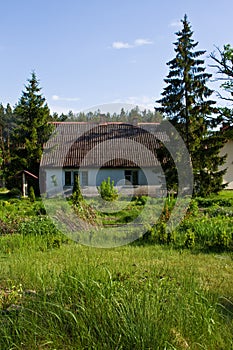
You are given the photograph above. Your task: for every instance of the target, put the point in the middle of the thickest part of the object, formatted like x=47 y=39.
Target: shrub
x=208 y=202
x=163 y=235
x=140 y=200
x=189 y=239
x=40 y=209
x=3 y=190
x=38 y=226
x=15 y=192
x=149 y=235
x=6 y=227
x=193 y=208
x=107 y=190
x=31 y=194
x=167 y=209
x=221 y=241
x=219 y=211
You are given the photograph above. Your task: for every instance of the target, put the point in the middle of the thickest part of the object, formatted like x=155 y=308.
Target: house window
x=83 y=177
x=131 y=177
x=128 y=176
x=54 y=180
x=67 y=178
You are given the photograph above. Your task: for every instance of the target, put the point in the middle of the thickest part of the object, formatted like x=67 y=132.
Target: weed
x=162 y=235
x=189 y=239
x=10 y=296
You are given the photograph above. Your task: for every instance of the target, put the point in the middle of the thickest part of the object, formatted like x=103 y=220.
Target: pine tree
x=32 y=130
x=77 y=196
x=9 y=125
x=6 y=129
x=2 y=124
x=187 y=105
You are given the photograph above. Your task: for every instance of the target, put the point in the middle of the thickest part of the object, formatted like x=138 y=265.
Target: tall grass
x=75 y=297
x=56 y=294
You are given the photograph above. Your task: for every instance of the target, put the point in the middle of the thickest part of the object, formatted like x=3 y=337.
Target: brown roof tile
x=77 y=144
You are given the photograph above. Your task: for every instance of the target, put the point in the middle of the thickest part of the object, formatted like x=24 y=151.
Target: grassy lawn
x=57 y=294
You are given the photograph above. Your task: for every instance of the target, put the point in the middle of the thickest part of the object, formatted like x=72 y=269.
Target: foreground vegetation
x=156 y=293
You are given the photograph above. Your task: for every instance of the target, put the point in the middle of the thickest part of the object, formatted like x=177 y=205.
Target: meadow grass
x=77 y=297
x=57 y=294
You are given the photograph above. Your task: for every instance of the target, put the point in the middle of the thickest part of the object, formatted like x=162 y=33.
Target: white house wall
x=55 y=178
x=149 y=177
x=228 y=177
x=116 y=175
x=54 y=181
x=97 y=176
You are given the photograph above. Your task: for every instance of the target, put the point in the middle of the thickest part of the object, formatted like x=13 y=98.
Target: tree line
x=186 y=101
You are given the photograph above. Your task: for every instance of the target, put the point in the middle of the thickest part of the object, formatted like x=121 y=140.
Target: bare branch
x=224 y=98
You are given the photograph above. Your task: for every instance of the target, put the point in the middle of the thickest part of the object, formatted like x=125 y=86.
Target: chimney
x=102 y=118
x=135 y=121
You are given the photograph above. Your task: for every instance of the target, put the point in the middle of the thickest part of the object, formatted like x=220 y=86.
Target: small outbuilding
x=25 y=175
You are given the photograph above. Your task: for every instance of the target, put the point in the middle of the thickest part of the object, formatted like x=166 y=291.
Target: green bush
x=193 y=208
x=209 y=233
x=15 y=192
x=221 y=241
x=38 y=226
x=163 y=235
x=39 y=208
x=219 y=211
x=107 y=190
x=31 y=194
x=43 y=227
x=189 y=239
x=140 y=200
x=6 y=227
x=3 y=190
x=208 y=202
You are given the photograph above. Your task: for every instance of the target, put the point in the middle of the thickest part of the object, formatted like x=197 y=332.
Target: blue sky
x=92 y=52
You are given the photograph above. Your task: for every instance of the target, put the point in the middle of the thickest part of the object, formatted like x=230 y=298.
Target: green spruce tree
x=186 y=103
x=77 y=197
x=31 y=116
x=2 y=124
x=9 y=125
x=6 y=130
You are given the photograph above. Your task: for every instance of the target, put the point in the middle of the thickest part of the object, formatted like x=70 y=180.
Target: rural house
x=95 y=151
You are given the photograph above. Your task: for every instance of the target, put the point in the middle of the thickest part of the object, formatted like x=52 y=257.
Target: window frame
x=131 y=175
x=68 y=183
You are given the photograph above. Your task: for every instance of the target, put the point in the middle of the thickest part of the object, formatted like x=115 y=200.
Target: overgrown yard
x=158 y=293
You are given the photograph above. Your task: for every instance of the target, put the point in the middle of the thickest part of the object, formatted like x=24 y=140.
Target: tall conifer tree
x=32 y=130
x=187 y=104
x=6 y=130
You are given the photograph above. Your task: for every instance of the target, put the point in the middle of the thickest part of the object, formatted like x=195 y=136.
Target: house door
x=131 y=177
